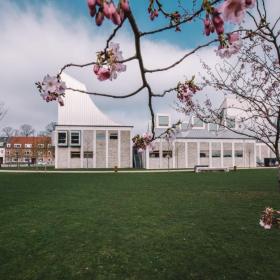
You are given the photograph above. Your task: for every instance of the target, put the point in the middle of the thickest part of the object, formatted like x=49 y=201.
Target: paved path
x=110 y=171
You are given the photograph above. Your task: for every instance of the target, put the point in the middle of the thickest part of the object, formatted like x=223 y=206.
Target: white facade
x=87 y=138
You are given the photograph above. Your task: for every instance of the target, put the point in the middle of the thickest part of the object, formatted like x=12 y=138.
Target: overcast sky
x=39 y=37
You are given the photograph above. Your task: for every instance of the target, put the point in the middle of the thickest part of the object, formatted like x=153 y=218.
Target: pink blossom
x=231 y=46
x=125 y=6
x=106 y=10
x=52 y=88
x=99 y=18
x=250 y=3
x=218 y=22
x=103 y=74
x=233 y=10
x=116 y=19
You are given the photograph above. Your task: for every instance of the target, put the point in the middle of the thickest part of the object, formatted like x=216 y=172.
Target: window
x=197 y=123
x=88 y=154
x=204 y=154
x=8 y=145
x=239 y=154
x=227 y=153
x=100 y=136
x=163 y=120
x=28 y=146
x=167 y=154
x=231 y=122
x=62 y=138
x=49 y=146
x=154 y=154
x=27 y=153
x=113 y=135
x=75 y=154
x=212 y=127
x=75 y=138
x=40 y=146
x=216 y=153
x=17 y=145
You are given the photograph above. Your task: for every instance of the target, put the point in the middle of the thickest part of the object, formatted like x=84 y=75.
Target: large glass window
x=239 y=153
x=75 y=154
x=154 y=154
x=231 y=122
x=113 y=135
x=213 y=127
x=167 y=154
x=163 y=121
x=88 y=154
x=197 y=123
x=227 y=153
x=100 y=136
x=62 y=138
x=75 y=138
x=216 y=153
x=204 y=153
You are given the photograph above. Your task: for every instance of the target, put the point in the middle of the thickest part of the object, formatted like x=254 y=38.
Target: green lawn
x=138 y=226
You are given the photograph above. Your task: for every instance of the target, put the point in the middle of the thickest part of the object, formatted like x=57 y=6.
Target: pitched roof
x=29 y=140
x=79 y=108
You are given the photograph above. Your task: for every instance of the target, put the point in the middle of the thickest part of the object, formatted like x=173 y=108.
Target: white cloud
x=33 y=45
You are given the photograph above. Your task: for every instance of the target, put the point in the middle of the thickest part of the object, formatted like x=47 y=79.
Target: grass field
x=138 y=226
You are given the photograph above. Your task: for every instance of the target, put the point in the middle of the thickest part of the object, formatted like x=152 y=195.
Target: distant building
x=198 y=143
x=85 y=137
x=3 y=141
x=29 y=150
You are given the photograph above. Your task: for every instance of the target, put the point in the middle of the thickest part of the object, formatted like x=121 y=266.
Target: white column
x=160 y=153
x=186 y=154
x=255 y=156
x=68 y=157
x=198 y=153
x=94 y=149
x=119 y=149
x=131 y=164
x=147 y=158
x=210 y=154
x=244 y=156
x=222 y=154
x=82 y=148
x=173 y=155
x=233 y=154
x=107 y=148
x=56 y=151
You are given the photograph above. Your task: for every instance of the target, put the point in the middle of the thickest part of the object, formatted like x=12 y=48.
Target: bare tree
x=50 y=128
x=254 y=82
x=3 y=110
x=26 y=130
x=8 y=131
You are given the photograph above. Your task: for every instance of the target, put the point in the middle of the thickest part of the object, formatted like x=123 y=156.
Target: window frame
x=115 y=136
x=72 y=153
x=164 y=125
x=66 y=138
x=195 y=126
x=79 y=134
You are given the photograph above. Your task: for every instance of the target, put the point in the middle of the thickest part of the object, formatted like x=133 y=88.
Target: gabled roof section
x=79 y=109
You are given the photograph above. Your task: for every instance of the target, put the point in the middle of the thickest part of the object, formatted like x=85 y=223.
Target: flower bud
x=99 y=18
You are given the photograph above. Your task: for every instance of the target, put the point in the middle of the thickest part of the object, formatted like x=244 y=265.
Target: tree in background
x=253 y=80
x=50 y=128
x=26 y=130
x=7 y=131
x=3 y=110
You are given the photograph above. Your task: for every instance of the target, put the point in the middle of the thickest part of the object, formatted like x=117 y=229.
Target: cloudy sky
x=39 y=37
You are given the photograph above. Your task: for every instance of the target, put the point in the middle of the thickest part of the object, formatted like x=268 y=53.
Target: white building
x=198 y=143
x=87 y=138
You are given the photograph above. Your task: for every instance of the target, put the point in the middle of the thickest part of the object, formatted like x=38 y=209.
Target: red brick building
x=29 y=150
